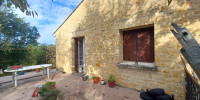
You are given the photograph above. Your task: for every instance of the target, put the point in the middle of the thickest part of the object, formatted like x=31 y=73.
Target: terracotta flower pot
x=37 y=70
x=111 y=84
x=96 y=80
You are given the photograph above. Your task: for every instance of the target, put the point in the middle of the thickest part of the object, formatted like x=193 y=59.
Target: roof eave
x=67 y=18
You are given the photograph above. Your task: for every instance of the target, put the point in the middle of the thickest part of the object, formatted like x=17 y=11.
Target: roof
x=68 y=17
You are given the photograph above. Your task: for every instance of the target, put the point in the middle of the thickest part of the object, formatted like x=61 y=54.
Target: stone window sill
x=140 y=65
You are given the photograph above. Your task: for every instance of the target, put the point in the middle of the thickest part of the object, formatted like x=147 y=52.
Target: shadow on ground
x=73 y=88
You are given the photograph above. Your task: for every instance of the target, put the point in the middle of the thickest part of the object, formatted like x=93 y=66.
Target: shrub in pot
x=111 y=81
x=49 y=94
x=96 y=79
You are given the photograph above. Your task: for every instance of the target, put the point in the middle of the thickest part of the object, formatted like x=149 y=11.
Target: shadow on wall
x=103 y=20
x=76 y=88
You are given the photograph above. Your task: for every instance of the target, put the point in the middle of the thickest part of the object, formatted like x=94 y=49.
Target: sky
x=50 y=16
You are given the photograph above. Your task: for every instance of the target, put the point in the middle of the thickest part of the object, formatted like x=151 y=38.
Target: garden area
x=32 y=55
x=63 y=86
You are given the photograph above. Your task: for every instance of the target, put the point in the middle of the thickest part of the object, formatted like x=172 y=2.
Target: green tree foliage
x=32 y=55
x=51 y=55
x=21 y=4
x=15 y=36
x=42 y=54
x=15 y=32
x=18 y=43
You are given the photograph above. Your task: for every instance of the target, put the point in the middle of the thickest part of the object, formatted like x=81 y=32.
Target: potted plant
x=37 y=70
x=96 y=79
x=49 y=94
x=111 y=81
x=102 y=81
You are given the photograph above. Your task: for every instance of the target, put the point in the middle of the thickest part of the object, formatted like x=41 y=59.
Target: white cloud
x=50 y=16
x=69 y=2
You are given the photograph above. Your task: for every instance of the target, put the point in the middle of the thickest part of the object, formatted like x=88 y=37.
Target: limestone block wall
x=101 y=23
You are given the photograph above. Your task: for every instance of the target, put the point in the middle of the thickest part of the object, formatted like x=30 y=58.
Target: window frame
x=147 y=42
x=133 y=64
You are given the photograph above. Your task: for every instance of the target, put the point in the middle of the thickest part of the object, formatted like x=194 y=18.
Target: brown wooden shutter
x=76 y=54
x=129 y=46
x=146 y=45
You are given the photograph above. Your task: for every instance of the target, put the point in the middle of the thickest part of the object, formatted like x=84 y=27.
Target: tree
x=21 y=4
x=15 y=32
x=42 y=54
x=15 y=36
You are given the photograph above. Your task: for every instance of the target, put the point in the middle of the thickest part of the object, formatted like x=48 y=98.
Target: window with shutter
x=138 y=45
x=130 y=45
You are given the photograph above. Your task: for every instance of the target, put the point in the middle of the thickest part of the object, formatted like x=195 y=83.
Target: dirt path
x=73 y=87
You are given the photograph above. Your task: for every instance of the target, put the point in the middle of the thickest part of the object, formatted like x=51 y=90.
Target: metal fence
x=192 y=87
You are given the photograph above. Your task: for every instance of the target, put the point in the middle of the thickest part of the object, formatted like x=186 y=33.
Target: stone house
x=129 y=39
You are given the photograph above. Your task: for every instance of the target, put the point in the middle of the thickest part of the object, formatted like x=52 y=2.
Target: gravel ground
x=72 y=86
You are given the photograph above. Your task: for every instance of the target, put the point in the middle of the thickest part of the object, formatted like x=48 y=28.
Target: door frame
x=76 y=55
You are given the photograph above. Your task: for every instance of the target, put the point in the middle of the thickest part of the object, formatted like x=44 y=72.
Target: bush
x=42 y=91
x=48 y=93
x=31 y=55
x=50 y=83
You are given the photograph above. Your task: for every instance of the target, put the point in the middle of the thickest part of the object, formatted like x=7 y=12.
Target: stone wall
x=101 y=22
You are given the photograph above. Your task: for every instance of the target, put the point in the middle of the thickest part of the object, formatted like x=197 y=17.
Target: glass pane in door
x=80 y=55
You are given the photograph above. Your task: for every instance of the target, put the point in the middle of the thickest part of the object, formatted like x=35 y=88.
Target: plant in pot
x=37 y=70
x=49 y=94
x=96 y=79
x=102 y=81
x=111 y=81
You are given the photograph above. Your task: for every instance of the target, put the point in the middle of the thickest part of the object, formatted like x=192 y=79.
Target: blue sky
x=50 y=16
